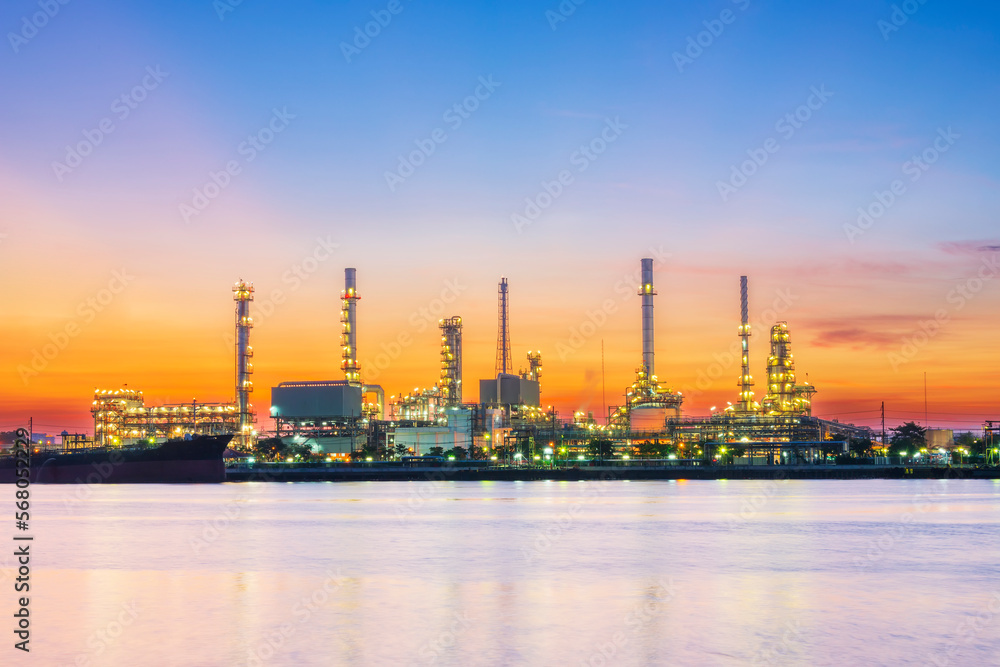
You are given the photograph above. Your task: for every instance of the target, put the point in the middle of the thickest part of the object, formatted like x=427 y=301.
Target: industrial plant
x=346 y=417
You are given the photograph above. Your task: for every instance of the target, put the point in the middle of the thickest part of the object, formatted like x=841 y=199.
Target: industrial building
x=342 y=417
x=121 y=416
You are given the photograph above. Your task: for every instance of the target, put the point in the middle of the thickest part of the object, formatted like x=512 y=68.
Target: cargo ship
x=198 y=460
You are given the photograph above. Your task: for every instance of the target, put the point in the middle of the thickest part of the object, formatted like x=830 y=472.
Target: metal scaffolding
x=534 y=366
x=746 y=404
x=504 y=360
x=243 y=295
x=451 y=360
x=122 y=418
x=349 y=336
x=783 y=395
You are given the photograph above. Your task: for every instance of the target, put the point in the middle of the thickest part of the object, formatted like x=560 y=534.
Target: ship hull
x=177 y=462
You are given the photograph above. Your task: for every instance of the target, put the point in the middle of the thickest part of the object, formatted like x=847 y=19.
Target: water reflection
x=706 y=573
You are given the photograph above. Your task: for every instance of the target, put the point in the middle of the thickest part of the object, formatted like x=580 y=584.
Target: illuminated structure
x=122 y=418
x=746 y=404
x=534 y=367
x=647 y=293
x=451 y=360
x=423 y=405
x=647 y=404
x=349 y=320
x=349 y=346
x=335 y=417
x=784 y=397
x=503 y=365
x=332 y=417
x=243 y=295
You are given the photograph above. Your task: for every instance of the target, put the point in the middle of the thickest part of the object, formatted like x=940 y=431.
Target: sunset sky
x=120 y=123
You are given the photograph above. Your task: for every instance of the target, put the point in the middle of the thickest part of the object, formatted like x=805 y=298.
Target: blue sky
x=657 y=182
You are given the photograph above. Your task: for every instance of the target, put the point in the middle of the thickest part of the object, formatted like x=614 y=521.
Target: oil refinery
x=344 y=417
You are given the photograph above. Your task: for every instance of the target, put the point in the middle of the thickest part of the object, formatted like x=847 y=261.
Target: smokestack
x=746 y=403
x=647 y=293
x=349 y=320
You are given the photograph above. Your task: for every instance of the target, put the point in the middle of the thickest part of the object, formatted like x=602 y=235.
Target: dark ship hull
x=198 y=460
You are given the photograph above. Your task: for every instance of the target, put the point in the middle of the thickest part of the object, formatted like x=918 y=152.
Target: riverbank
x=368 y=472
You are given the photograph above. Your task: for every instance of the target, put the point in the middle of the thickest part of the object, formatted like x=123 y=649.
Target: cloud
x=856 y=338
x=968 y=247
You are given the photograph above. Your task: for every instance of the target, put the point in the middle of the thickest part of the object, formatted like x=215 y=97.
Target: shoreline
x=458 y=473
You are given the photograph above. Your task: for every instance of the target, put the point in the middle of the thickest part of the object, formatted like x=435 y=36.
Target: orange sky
x=683 y=174
x=166 y=331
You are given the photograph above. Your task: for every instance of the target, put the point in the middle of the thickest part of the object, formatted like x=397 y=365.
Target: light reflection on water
x=544 y=573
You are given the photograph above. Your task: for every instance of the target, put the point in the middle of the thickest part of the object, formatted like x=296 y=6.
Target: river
x=872 y=572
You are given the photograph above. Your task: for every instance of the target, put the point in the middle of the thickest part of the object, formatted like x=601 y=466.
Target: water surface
x=516 y=573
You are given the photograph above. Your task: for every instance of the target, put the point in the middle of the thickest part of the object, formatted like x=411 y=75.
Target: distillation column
x=746 y=402
x=243 y=295
x=647 y=293
x=451 y=360
x=780 y=373
x=349 y=319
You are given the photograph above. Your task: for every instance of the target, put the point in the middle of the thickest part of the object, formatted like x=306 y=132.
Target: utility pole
x=926 y=423
x=604 y=396
x=883 y=424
